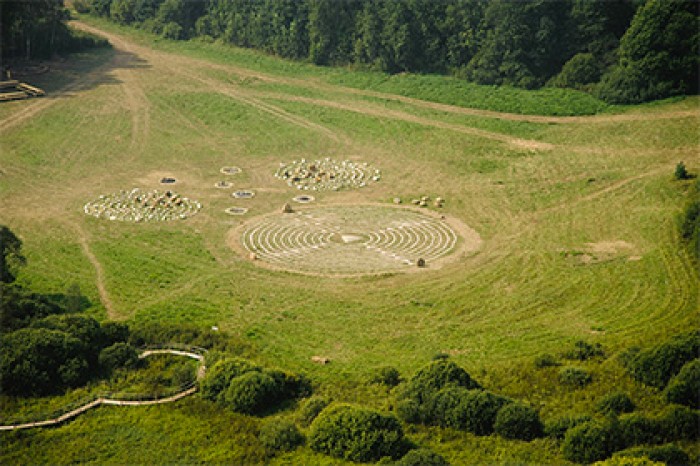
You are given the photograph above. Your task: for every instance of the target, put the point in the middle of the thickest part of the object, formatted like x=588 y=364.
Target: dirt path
x=187 y=68
x=112 y=314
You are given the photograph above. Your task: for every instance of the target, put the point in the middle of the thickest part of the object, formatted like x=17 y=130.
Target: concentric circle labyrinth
x=348 y=240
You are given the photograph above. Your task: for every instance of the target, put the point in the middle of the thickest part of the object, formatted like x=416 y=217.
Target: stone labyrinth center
x=356 y=239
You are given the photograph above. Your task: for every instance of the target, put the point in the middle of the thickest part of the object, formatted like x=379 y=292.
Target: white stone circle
x=243 y=194
x=304 y=199
x=236 y=210
x=347 y=240
x=230 y=170
x=142 y=206
x=327 y=174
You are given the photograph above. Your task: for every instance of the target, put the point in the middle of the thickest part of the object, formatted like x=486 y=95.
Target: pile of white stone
x=327 y=174
x=142 y=206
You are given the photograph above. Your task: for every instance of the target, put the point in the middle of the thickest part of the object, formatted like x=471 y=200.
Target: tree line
x=623 y=51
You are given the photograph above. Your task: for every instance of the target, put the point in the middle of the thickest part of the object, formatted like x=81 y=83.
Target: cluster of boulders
x=327 y=174
x=142 y=206
x=424 y=200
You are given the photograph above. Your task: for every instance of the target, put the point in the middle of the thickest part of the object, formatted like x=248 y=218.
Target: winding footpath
x=105 y=400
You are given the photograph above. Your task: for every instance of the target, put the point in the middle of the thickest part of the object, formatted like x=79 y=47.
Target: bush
x=422 y=457
x=173 y=31
x=310 y=409
x=436 y=375
x=680 y=423
x=670 y=454
x=219 y=376
x=357 y=434
x=557 y=428
x=114 y=332
x=583 y=351
x=574 y=377
x=637 y=429
x=387 y=375
x=656 y=365
x=581 y=69
x=546 y=360
x=118 y=355
x=628 y=461
x=81 y=6
x=517 y=421
x=588 y=442
x=683 y=388
x=681 y=172
x=615 y=403
x=280 y=435
x=409 y=410
x=251 y=392
x=477 y=411
x=40 y=361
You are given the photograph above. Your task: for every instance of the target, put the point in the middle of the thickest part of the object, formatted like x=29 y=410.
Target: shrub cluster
x=389 y=376
x=311 y=408
x=557 y=428
x=357 y=434
x=574 y=377
x=444 y=394
x=246 y=388
x=583 y=351
x=655 y=366
x=422 y=457
x=615 y=403
x=597 y=440
x=684 y=388
x=279 y=436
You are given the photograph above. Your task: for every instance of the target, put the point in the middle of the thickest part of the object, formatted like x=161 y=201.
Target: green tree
x=659 y=54
x=11 y=258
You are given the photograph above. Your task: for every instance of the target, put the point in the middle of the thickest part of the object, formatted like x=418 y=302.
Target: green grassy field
x=577 y=218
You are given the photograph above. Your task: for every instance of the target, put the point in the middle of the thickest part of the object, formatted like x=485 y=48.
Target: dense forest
x=623 y=51
x=37 y=29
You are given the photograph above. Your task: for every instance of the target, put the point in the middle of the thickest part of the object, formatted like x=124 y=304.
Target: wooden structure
x=15 y=90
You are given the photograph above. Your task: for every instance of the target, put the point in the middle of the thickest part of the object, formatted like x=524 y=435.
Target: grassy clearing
x=579 y=243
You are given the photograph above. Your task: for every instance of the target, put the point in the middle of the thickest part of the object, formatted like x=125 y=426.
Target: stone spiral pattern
x=348 y=239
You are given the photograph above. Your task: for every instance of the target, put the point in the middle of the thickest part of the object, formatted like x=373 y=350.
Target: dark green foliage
x=477 y=411
x=246 y=388
x=690 y=222
x=251 y=392
x=279 y=435
x=311 y=408
x=557 y=428
x=680 y=423
x=583 y=351
x=518 y=421
x=40 y=361
x=568 y=43
x=681 y=173
x=114 y=332
x=659 y=54
x=655 y=366
x=19 y=307
x=411 y=411
x=387 y=375
x=11 y=258
x=84 y=328
x=638 y=429
x=422 y=457
x=615 y=403
x=581 y=70
x=589 y=442
x=433 y=377
x=118 y=355
x=219 y=376
x=684 y=388
x=357 y=434
x=669 y=454
x=545 y=360
x=574 y=377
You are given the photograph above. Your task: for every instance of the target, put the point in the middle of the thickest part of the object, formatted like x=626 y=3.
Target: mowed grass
x=604 y=191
